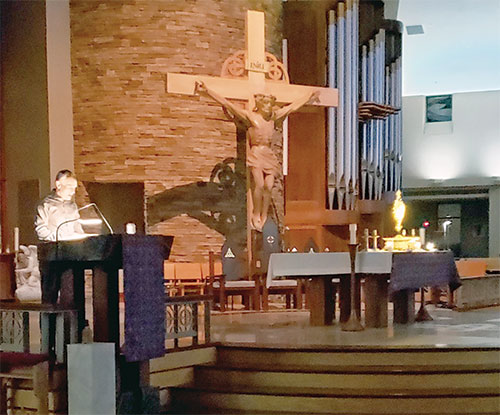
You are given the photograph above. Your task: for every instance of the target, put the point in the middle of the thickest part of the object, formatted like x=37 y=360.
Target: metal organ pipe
x=332 y=40
x=371 y=123
x=381 y=139
x=354 y=103
x=340 y=176
x=343 y=69
x=347 y=103
x=364 y=130
x=399 y=125
x=361 y=74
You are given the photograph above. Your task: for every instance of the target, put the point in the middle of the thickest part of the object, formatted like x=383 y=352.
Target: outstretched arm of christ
x=240 y=113
x=308 y=98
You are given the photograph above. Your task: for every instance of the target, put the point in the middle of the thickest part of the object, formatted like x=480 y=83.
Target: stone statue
x=260 y=125
x=28 y=274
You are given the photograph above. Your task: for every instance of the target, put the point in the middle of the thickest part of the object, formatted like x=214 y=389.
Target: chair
x=169 y=278
x=221 y=289
x=17 y=361
x=189 y=278
x=291 y=289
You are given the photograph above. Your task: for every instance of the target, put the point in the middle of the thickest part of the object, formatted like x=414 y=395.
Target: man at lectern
x=59 y=207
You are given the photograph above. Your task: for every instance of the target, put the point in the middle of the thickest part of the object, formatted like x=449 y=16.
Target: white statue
x=28 y=274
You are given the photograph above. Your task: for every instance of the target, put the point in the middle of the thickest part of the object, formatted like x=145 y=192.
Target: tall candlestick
x=16 y=239
x=352 y=233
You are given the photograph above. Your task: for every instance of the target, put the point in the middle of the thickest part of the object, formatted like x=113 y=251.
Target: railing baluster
x=26 y=331
x=183 y=318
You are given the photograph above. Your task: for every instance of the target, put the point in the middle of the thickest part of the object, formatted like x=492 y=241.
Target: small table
x=385 y=273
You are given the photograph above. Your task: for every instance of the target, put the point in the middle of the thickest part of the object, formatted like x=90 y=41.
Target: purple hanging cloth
x=143 y=258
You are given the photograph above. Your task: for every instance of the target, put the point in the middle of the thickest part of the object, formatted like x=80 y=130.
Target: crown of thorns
x=259 y=97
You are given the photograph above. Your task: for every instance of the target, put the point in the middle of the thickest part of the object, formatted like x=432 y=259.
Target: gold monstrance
x=400 y=242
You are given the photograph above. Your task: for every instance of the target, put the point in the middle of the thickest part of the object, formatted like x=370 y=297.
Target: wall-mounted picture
x=438 y=108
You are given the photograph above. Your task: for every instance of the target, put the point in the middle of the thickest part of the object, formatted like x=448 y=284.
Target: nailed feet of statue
x=257 y=223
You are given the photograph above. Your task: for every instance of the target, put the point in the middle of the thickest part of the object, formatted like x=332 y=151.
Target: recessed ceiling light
x=415 y=29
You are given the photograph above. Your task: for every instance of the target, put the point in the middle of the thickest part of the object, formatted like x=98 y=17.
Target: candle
x=352 y=233
x=375 y=239
x=421 y=232
x=16 y=239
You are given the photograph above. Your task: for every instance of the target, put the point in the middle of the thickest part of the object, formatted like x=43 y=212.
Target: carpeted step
x=386 y=378
x=252 y=356
x=340 y=402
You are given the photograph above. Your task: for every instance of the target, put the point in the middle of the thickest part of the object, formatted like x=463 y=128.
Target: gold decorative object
x=401 y=242
x=398 y=211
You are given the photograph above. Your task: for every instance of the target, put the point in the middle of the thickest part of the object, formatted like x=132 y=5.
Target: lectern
x=62 y=266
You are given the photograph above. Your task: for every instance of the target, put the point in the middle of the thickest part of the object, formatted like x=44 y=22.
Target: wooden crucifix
x=255 y=77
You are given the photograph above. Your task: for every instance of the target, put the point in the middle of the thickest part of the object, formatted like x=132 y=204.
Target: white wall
x=463 y=152
x=60 y=106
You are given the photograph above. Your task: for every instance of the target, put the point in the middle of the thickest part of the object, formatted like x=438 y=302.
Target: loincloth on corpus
x=263 y=158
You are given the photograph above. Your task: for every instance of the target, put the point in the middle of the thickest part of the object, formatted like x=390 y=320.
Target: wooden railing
x=188 y=317
x=15 y=328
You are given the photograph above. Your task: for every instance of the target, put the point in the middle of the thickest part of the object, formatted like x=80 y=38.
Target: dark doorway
x=120 y=203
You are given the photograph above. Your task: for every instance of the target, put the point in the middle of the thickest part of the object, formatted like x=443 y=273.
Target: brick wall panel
x=126 y=127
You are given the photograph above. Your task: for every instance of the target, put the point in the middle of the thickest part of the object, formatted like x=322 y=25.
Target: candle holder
x=375 y=237
x=423 y=314
x=353 y=323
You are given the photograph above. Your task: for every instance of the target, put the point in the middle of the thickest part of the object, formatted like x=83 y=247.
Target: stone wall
x=128 y=129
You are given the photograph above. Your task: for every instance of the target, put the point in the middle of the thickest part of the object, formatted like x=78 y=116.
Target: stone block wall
x=128 y=129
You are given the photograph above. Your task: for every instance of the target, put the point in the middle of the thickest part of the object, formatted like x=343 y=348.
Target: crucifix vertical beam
x=243 y=88
x=256 y=53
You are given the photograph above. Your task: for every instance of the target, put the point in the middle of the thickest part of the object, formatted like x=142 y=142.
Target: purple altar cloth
x=413 y=270
x=144 y=297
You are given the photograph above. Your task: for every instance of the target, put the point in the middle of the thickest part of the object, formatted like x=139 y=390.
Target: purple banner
x=144 y=297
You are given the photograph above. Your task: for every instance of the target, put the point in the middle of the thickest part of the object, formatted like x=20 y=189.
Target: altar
x=386 y=275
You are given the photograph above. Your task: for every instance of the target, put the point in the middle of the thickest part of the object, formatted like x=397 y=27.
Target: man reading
x=59 y=207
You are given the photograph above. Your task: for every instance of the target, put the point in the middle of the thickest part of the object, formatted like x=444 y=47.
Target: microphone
x=100 y=214
x=97 y=221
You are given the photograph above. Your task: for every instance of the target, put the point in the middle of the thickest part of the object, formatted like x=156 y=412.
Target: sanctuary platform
x=276 y=363
x=475 y=328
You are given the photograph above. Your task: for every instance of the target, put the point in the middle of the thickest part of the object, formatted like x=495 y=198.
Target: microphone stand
x=57 y=233
x=100 y=214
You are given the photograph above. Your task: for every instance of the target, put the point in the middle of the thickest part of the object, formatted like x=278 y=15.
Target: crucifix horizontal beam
x=239 y=88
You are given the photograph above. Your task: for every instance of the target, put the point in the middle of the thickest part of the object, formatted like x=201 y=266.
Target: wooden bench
x=182 y=278
x=480 y=278
x=18 y=361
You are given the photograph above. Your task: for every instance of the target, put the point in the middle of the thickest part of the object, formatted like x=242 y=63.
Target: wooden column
x=321 y=300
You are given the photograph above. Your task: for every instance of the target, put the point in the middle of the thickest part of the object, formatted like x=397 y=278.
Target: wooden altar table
x=386 y=274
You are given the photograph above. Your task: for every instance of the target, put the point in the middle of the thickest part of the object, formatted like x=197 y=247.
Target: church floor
x=291 y=328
